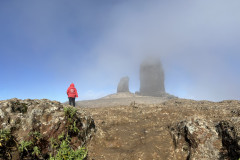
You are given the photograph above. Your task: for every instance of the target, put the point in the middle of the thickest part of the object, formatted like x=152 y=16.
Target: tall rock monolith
x=151 y=78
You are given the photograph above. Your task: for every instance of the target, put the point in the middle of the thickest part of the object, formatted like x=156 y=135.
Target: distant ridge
x=124 y=98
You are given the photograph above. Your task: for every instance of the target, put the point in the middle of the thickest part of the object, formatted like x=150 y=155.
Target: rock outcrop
x=203 y=139
x=123 y=85
x=230 y=140
x=50 y=119
x=196 y=139
x=151 y=78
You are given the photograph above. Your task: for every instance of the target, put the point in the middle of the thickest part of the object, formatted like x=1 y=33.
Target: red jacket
x=72 y=91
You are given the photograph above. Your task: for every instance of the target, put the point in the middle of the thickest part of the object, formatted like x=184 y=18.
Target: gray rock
x=2 y=114
x=230 y=140
x=47 y=117
x=196 y=139
x=151 y=78
x=123 y=85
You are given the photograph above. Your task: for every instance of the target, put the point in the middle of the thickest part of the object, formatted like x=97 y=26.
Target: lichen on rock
x=196 y=139
x=200 y=139
x=46 y=117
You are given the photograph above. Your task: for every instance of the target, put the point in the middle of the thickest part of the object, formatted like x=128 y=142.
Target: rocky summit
x=168 y=129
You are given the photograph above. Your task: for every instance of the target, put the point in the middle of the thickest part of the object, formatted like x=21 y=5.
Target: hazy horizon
x=46 y=45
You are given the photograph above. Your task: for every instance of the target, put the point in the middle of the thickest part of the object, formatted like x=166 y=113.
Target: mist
x=95 y=43
x=197 y=42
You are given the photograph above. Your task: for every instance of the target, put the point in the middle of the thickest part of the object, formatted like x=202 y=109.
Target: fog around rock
x=196 y=41
x=151 y=78
x=85 y=41
x=123 y=85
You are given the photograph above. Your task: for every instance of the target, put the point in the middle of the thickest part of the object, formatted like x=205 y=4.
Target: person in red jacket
x=72 y=94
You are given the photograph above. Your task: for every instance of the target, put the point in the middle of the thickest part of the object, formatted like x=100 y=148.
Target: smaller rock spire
x=123 y=85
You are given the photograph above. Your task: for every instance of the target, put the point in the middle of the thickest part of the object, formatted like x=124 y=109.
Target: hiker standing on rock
x=72 y=94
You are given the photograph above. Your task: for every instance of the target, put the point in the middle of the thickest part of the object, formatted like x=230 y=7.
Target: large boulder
x=50 y=119
x=151 y=78
x=203 y=139
x=196 y=139
x=123 y=85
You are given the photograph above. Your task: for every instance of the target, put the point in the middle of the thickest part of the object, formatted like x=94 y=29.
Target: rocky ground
x=176 y=129
x=39 y=129
x=166 y=128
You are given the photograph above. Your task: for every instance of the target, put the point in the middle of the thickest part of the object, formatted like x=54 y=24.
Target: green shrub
x=31 y=148
x=65 y=152
x=36 y=152
x=70 y=112
x=5 y=135
x=60 y=148
x=36 y=137
x=73 y=128
x=25 y=146
x=6 y=143
x=20 y=107
x=61 y=136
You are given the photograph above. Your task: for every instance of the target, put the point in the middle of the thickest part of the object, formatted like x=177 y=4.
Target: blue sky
x=45 y=45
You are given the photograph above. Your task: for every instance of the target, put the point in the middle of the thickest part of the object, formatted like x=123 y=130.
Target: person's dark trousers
x=71 y=101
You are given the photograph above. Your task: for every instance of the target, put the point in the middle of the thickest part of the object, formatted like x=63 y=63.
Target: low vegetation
x=19 y=107
x=71 y=118
x=6 y=143
x=59 y=148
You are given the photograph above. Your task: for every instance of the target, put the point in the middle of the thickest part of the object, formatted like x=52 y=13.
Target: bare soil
x=137 y=128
